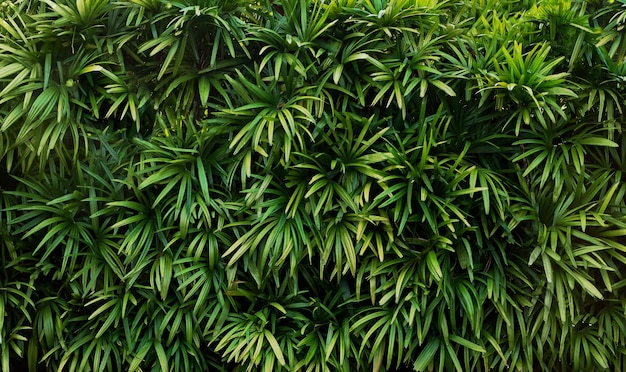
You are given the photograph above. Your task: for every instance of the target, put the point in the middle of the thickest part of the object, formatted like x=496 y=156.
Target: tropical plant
x=312 y=185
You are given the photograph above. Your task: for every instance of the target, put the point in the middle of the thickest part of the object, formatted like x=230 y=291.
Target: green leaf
x=443 y=86
x=597 y=141
x=470 y=345
x=426 y=356
x=275 y=347
x=160 y=352
x=433 y=266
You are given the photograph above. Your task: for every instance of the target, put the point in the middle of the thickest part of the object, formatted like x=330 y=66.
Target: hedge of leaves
x=310 y=185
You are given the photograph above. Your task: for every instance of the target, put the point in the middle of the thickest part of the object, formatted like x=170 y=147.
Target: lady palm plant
x=312 y=185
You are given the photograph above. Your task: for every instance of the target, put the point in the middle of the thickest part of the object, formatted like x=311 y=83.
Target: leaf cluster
x=330 y=185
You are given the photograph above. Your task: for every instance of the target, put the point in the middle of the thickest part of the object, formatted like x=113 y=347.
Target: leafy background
x=310 y=185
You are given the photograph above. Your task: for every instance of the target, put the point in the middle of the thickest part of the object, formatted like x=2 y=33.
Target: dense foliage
x=334 y=185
